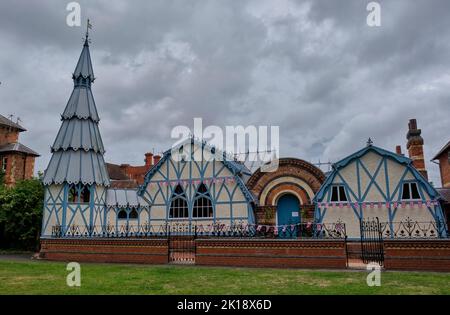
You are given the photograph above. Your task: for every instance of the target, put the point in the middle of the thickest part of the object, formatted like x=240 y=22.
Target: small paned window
x=178 y=205
x=202 y=203
x=79 y=194
x=338 y=193
x=410 y=191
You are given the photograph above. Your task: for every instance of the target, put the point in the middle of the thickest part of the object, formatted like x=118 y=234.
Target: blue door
x=288 y=213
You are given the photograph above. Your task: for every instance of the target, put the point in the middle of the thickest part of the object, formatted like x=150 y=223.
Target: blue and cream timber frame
x=232 y=202
x=375 y=176
x=58 y=211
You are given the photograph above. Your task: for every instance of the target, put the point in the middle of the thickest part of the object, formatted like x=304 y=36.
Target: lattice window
x=338 y=193
x=202 y=203
x=410 y=191
x=178 y=205
x=79 y=193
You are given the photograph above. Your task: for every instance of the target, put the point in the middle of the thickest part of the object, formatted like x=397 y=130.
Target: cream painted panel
x=382 y=213
x=222 y=211
x=158 y=212
x=240 y=210
x=238 y=194
x=414 y=213
x=395 y=172
x=364 y=180
x=348 y=173
x=346 y=216
x=223 y=196
x=374 y=194
x=371 y=160
x=143 y=217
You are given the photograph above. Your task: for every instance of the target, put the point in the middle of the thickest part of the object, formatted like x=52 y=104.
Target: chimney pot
x=398 y=150
x=156 y=159
x=148 y=159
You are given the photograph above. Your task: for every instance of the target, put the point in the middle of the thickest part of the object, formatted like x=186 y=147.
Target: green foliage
x=21 y=214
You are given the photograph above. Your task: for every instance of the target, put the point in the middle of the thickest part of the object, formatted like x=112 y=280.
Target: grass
x=38 y=277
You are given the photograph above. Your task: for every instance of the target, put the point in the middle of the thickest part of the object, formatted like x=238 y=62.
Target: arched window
x=178 y=205
x=202 y=203
x=133 y=214
x=122 y=215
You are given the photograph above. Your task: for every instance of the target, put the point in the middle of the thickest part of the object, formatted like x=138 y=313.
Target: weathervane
x=88 y=27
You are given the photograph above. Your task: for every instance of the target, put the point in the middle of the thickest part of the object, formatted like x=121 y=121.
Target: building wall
x=8 y=135
x=230 y=205
x=18 y=167
x=444 y=166
x=371 y=181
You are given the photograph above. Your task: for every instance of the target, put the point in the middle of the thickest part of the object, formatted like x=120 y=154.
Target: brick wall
x=8 y=136
x=148 y=251
x=444 y=166
x=271 y=253
x=431 y=255
x=19 y=167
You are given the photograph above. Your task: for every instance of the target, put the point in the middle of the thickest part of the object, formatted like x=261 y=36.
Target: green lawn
x=38 y=277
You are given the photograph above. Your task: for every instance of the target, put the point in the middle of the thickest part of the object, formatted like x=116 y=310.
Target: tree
x=21 y=214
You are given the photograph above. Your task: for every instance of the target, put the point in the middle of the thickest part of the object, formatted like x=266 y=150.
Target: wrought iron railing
x=240 y=230
x=410 y=229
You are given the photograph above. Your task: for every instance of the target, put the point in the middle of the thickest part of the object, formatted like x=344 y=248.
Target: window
x=202 y=203
x=122 y=215
x=338 y=193
x=79 y=193
x=410 y=191
x=178 y=205
x=4 y=161
x=134 y=214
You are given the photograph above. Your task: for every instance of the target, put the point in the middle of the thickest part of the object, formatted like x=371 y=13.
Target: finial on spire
x=88 y=27
x=369 y=142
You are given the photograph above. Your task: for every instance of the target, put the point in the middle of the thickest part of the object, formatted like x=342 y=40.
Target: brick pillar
x=398 y=150
x=415 y=147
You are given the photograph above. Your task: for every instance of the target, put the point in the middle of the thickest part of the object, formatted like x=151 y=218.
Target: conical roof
x=78 y=148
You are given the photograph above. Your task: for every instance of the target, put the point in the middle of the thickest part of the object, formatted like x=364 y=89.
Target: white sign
x=295 y=214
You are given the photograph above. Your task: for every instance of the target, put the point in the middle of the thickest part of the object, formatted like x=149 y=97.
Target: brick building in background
x=443 y=158
x=129 y=176
x=16 y=160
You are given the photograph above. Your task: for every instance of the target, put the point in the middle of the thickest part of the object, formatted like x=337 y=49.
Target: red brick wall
x=19 y=167
x=444 y=166
x=431 y=255
x=148 y=251
x=8 y=136
x=271 y=253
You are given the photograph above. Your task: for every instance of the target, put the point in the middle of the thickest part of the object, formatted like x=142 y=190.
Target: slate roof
x=18 y=147
x=444 y=149
x=9 y=123
x=78 y=148
x=124 y=198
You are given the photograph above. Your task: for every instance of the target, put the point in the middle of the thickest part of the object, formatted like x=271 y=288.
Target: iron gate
x=372 y=248
x=181 y=243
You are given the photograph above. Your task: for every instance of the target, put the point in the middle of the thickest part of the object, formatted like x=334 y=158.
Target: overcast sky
x=314 y=68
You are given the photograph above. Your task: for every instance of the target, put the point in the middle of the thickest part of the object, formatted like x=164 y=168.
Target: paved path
x=16 y=257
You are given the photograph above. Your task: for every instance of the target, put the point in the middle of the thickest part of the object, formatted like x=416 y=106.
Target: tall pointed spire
x=78 y=148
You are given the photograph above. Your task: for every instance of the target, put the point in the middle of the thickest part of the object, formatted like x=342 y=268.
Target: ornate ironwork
x=414 y=229
x=372 y=248
x=238 y=230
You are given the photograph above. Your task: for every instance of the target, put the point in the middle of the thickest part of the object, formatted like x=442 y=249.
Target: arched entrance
x=288 y=210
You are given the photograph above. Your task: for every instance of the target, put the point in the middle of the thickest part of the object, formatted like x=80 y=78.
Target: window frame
x=4 y=166
x=338 y=191
x=206 y=205
x=409 y=184
x=178 y=204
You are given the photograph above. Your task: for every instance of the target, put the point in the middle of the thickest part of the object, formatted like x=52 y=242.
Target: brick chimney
x=148 y=159
x=398 y=150
x=415 y=147
x=156 y=159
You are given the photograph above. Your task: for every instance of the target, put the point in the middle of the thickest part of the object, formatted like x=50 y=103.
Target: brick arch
x=286 y=188
x=288 y=167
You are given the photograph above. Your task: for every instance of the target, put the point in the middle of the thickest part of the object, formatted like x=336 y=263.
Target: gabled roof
x=237 y=169
x=115 y=172
x=371 y=148
x=18 y=147
x=9 y=123
x=444 y=149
